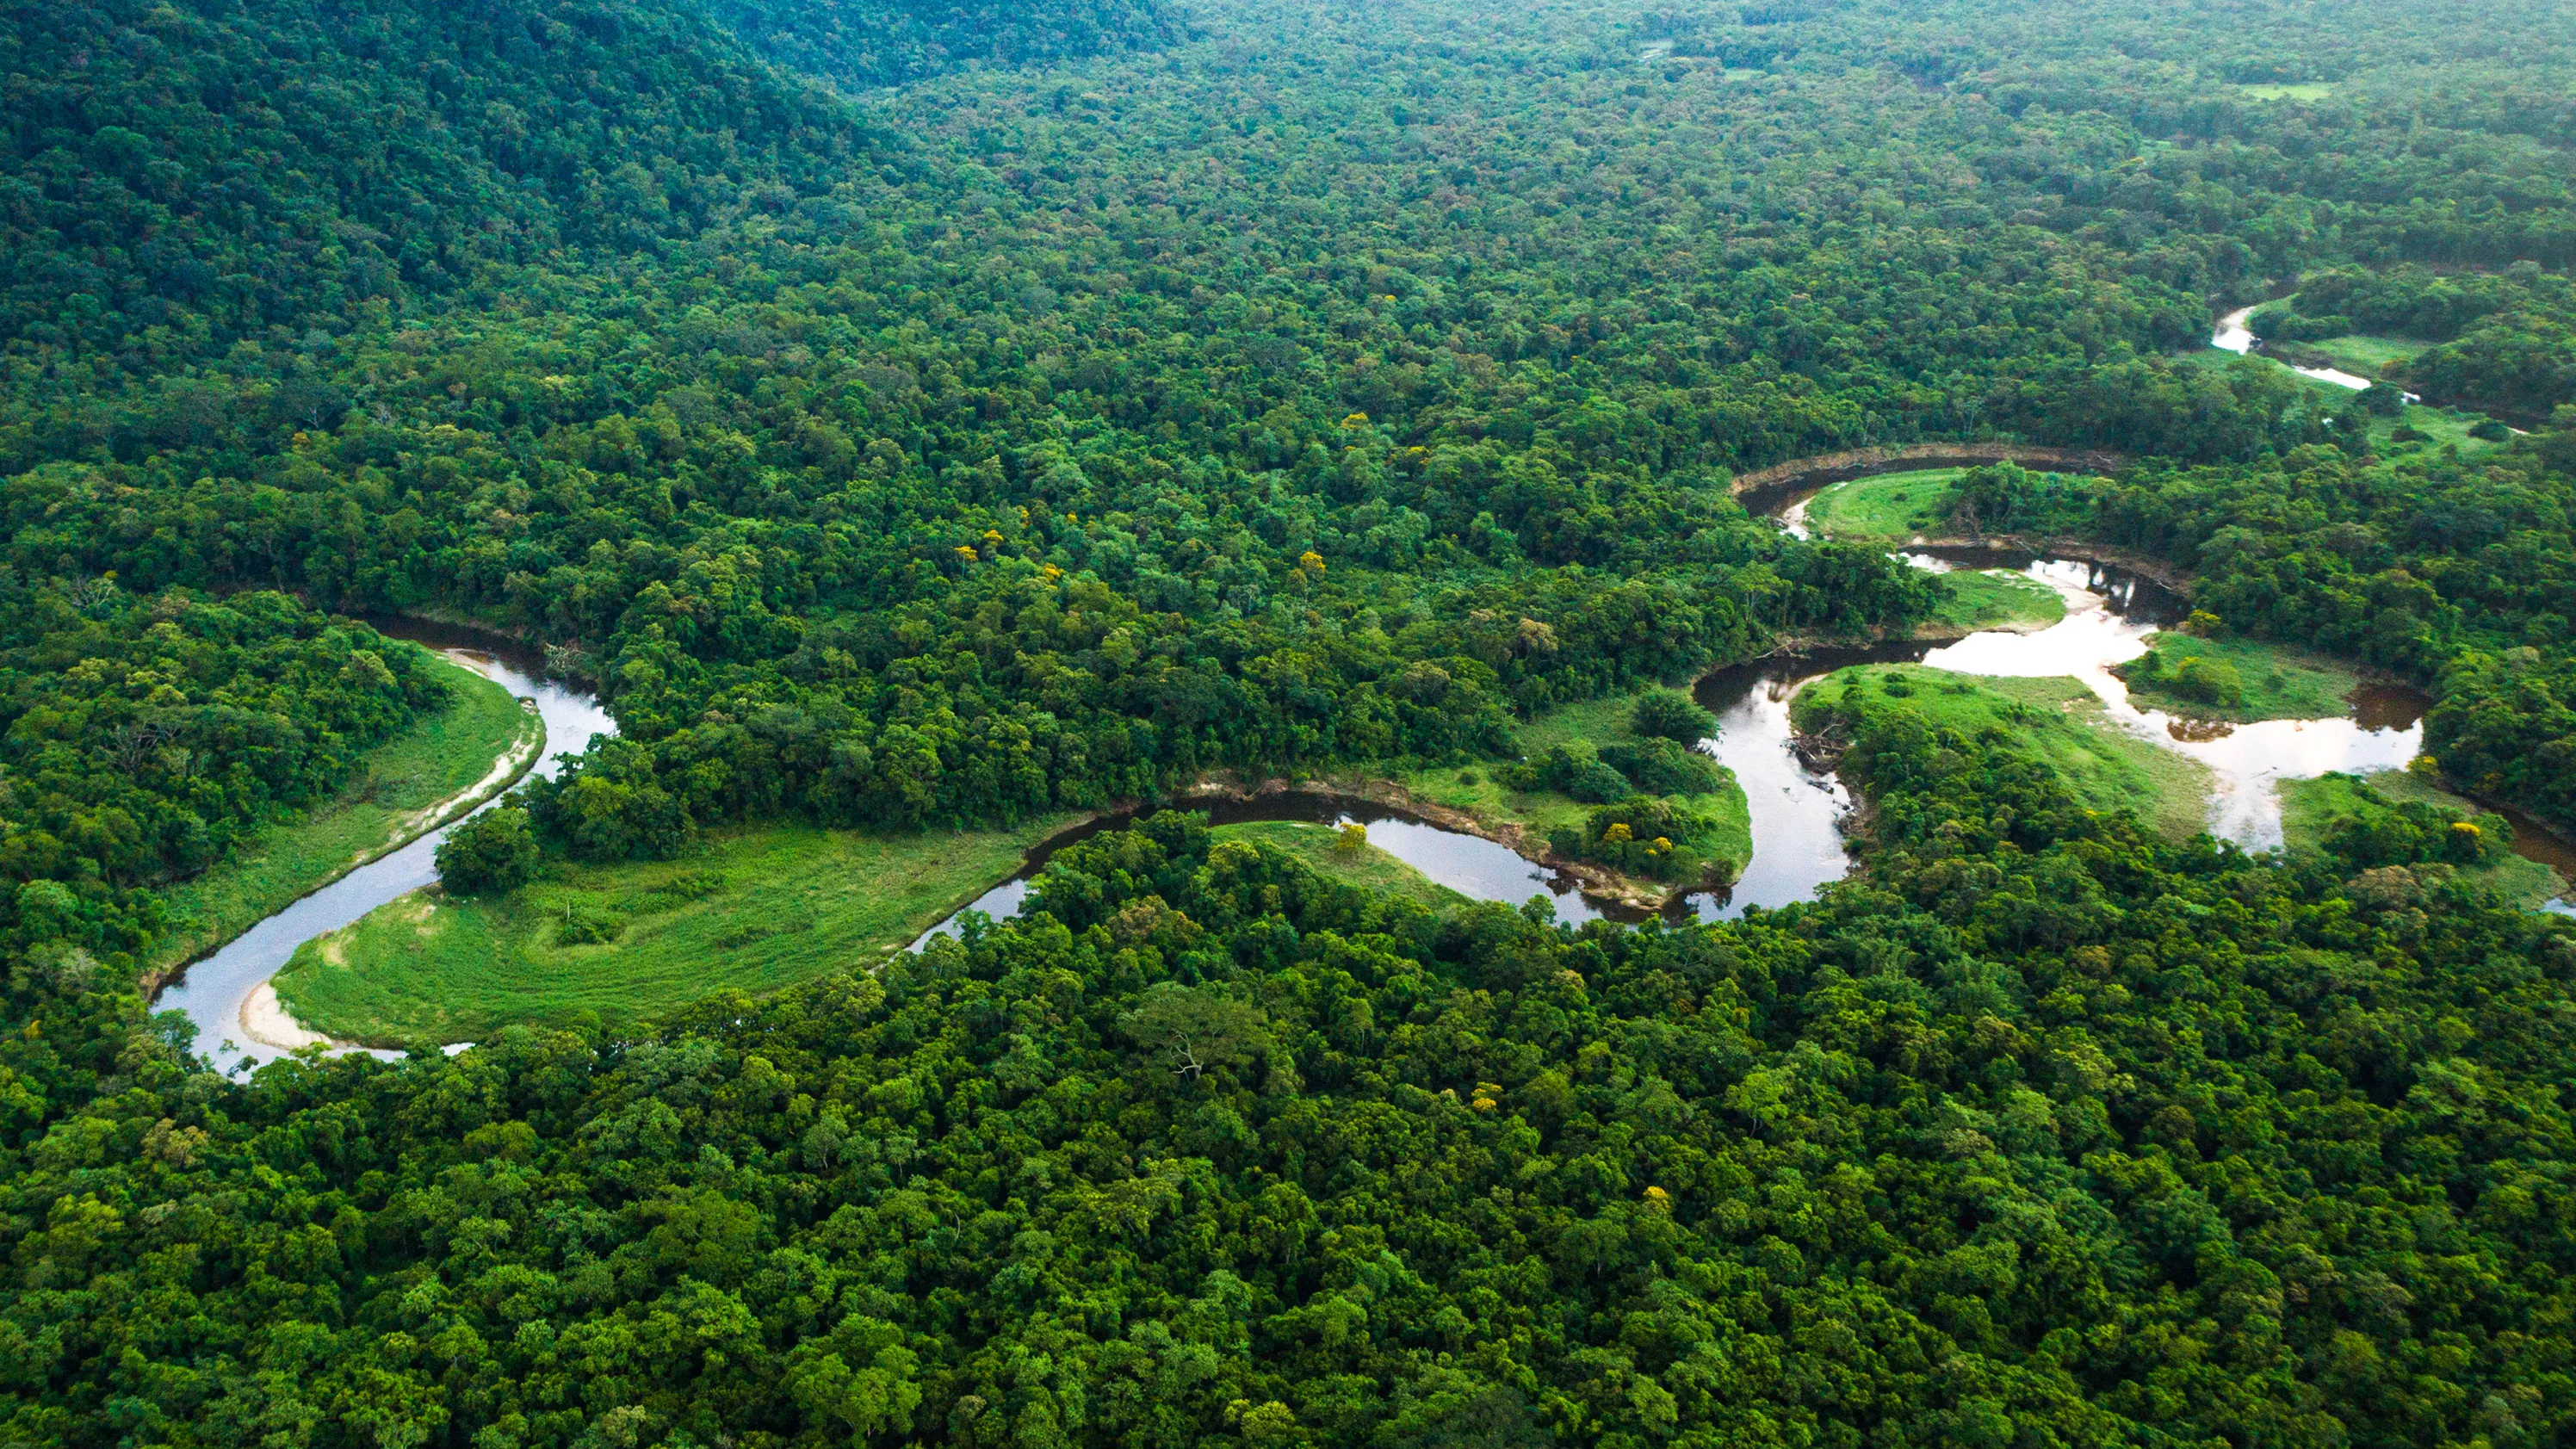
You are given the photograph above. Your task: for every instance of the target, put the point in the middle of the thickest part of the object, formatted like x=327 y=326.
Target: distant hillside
x=882 y=42
x=212 y=168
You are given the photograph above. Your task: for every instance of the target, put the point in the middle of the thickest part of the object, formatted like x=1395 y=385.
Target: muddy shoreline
x=1824 y=469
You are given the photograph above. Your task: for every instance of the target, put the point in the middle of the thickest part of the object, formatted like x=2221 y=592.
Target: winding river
x=227 y=993
x=1797 y=813
x=2236 y=334
x=1471 y=865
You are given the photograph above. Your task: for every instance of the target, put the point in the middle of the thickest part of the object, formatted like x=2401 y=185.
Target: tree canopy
x=916 y=415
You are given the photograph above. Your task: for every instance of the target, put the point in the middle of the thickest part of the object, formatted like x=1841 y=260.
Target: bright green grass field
x=752 y=910
x=2280 y=683
x=1474 y=790
x=2309 y=808
x=2366 y=355
x=1317 y=845
x=2443 y=426
x=1889 y=508
x=2107 y=767
x=389 y=803
x=1998 y=599
x=2302 y=91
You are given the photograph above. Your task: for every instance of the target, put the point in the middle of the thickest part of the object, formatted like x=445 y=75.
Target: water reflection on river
x=1471 y=865
x=215 y=990
x=2108 y=619
x=1797 y=812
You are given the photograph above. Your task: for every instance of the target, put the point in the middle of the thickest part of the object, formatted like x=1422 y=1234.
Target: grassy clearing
x=2366 y=355
x=1998 y=599
x=1373 y=869
x=2301 y=91
x=2280 y=683
x=2107 y=767
x=390 y=801
x=2309 y=808
x=1891 y=507
x=1474 y=791
x=753 y=910
x=2443 y=427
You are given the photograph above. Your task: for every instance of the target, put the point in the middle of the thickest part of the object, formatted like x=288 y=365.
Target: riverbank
x=2310 y=809
x=1824 y=468
x=438 y=770
x=2057 y=719
x=754 y=910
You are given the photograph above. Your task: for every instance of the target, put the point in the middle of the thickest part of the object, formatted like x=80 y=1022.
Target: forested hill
x=181 y=176
x=804 y=420
x=881 y=42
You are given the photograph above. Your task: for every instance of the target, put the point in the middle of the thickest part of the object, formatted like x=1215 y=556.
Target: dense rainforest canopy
x=914 y=416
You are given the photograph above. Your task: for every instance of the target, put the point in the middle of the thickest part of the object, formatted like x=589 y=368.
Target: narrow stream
x=1471 y=865
x=2110 y=613
x=218 y=990
x=1797 y=813
x=2235 y=335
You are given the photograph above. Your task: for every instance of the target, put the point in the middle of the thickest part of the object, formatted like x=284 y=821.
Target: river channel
x=2235 y=334
x=1797 y=813
x=217 y=989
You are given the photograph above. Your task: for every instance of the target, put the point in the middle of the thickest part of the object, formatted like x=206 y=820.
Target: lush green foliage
x=1573 y=769
x=2007 y=498
x=445 y=761
x=2459 y=575
x=1669 y=714
x=1657 y=766
x=143 y=736
x=2200 y=678
x=1337 y=386
x=2235 y=677
x=1641 y=836
x=2505 y=339
x=2399 y=815
x=622 y=943
x=783 y=410
x=883 y=42
x=494 y=851
x=2130 y=1137
x=2414 y=832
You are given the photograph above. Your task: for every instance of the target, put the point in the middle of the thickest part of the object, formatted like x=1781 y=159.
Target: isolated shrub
x=1661 y=767
x=2208 y=680
x=490 y=854
x=1671 y=715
